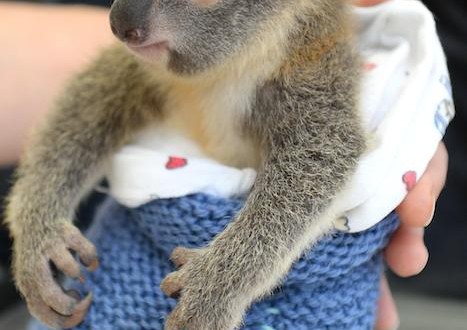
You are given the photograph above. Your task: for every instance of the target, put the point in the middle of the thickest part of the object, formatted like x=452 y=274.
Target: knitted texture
x=333 y=286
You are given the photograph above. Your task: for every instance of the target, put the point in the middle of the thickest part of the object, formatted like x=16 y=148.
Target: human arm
x=37 y=59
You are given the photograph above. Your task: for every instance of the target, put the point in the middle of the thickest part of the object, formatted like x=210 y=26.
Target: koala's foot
x=34 y=277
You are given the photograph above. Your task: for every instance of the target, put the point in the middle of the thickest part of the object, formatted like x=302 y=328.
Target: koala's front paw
x=205 y=303
x=173 y=283
x=45 y=298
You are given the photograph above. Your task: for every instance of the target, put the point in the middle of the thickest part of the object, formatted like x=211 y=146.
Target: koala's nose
x=130 y=20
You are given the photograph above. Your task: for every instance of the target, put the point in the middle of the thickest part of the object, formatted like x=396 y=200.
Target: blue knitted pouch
x=334 y=286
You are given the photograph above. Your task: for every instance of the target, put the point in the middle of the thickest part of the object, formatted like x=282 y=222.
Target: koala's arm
x=98 y=112
x=313 y=139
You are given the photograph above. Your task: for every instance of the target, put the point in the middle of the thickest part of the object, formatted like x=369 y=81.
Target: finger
x=52 y=294
x=406 y=253
x=85 y=249
x=418 y=207
x=173 y=284
x=180 y=255
x=64 y=261
x=387 y=317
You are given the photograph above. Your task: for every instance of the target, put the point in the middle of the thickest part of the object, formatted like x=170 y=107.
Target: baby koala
x=269 y=84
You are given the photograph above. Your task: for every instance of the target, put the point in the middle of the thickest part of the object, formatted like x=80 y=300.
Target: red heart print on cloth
x=175 y=163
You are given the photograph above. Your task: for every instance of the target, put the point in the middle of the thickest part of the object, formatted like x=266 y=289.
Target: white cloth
x=162 y=164
x=406 y=104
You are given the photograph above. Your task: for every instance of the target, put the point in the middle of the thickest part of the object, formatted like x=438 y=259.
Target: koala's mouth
x=152 y=50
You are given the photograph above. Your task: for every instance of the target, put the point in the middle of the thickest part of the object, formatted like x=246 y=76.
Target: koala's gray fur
x=270 y=84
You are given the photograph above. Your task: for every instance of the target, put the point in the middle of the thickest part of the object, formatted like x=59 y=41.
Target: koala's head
x=194 y=34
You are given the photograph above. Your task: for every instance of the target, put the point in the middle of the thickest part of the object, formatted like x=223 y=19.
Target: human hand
x=406 y=253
